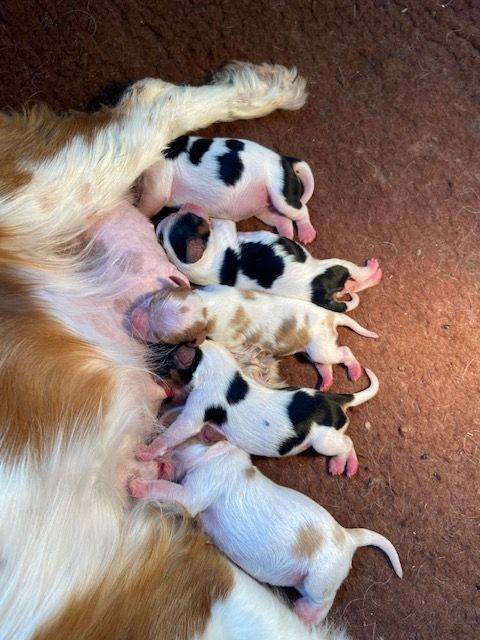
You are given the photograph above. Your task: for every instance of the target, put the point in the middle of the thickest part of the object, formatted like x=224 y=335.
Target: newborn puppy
x=244 y=513
x=232 y=317
x=262 y=421
x=212 y=252
x=233 y=179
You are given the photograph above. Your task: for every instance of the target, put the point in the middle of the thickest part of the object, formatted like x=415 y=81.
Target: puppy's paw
x=337 y=465
x=144 y=453
x=138 y=488
x=306 y=233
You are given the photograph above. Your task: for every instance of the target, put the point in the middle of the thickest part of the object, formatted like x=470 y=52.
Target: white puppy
x=260 y=420
x=245 y=514
x=233 y=179
x=279 y=325
x=212 y=252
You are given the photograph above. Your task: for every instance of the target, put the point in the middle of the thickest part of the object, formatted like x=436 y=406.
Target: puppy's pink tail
x=343 y=320
x=305 y=174
x=362 y=396
x=366 y=538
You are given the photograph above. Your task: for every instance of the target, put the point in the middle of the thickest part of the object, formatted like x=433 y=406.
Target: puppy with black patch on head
x=282 y=326
x=234 y=179
x=212 y=252
x=262 y=421
x=244 y=513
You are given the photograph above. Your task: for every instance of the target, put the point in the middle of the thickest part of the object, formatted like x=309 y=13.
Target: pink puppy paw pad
x=336 y=465
x=143 y=453
x=138 y=488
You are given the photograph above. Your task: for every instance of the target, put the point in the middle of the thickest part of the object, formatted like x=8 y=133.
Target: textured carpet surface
x=392 y=132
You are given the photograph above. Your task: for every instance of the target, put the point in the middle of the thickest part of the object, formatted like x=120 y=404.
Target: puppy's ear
x=182 y=284
x=209 y=434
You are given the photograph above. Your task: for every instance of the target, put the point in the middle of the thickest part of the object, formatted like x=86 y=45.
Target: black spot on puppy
x=230 y=168
x=198 y=149
x=162 y=214
x=326 y=284
x=259 y=262
x=235 y=145
x=229 y=268
x=176 y=147
x=189 y=236
x=305 y=410
x=292 y=185
x=293 y=249
x=217 y=415
x=237 y=390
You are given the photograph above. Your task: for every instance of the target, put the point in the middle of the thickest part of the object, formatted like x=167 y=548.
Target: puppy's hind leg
x=318 y=593
x=283 y=225
x=329 y=442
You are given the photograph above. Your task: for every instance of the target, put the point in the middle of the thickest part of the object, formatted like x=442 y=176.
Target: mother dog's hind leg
x=75 y=168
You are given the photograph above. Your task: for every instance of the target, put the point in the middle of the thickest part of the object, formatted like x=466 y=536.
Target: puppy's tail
x=342 y=320
x=365 y=538
x=305 y=174
x=362 y=396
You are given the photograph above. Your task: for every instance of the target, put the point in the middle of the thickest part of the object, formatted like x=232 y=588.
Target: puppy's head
x=170 y=316
x=184 y=235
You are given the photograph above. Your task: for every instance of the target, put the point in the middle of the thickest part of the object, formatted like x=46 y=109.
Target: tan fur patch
x=291 y=338
x=52 y=382
x=39 y=134
x=240 y=320
x=211 y=323
x=160 y=588
x=248 y=295
x=187 y=335
x=309 y=540
x=250 y=473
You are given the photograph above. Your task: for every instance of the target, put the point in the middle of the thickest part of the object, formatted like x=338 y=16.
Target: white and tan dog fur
x=275 y=534
x=78 y=559
x=282 y=326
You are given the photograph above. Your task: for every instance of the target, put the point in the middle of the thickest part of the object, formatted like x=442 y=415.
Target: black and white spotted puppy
x=259 y=420
x=245 y=514
x=282 y=326
x=212 y=252
x=234 y=179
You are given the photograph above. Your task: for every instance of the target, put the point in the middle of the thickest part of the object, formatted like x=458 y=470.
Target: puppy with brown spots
x=279 y=325
x=244 y=514
x=234 y=179
x=260 y=420
x=212 y=252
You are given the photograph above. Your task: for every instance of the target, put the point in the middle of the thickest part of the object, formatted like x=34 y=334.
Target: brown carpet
x=392 y=130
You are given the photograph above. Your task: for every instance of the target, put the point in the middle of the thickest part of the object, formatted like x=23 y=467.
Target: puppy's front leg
x=188 y=423
x=159 y=490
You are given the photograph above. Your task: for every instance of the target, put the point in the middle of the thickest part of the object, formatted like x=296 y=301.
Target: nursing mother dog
x=79 y=558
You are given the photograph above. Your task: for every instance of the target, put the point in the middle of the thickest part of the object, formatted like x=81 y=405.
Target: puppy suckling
x=244 y=514
x=233 y=179
x=282 y=326
x=262 y=421
x=212 y=252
